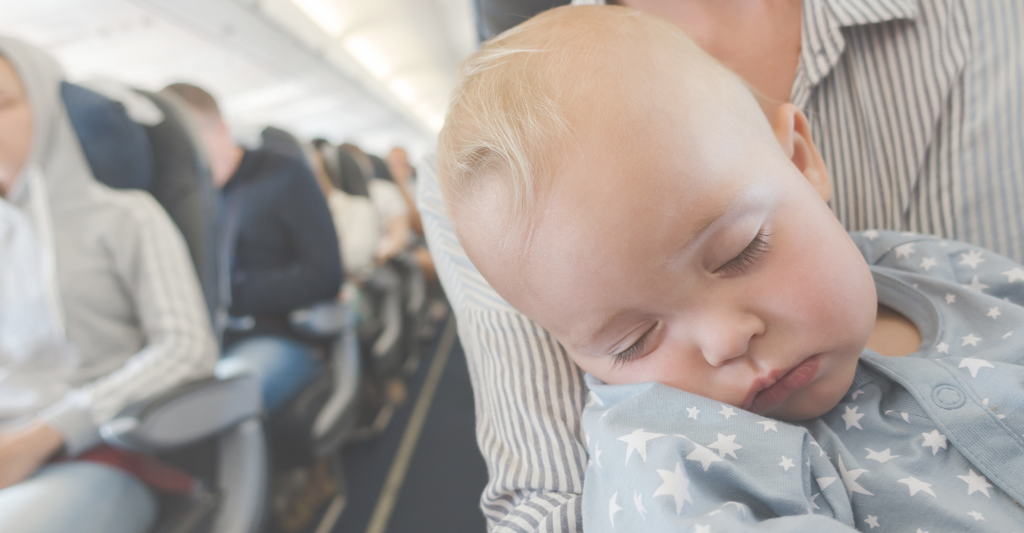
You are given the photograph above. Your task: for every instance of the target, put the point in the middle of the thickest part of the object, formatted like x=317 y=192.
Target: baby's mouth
x=770 y=391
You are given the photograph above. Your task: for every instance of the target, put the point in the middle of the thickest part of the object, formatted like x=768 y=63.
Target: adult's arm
x=529 y=396
x=315 y=272
x=154 y=265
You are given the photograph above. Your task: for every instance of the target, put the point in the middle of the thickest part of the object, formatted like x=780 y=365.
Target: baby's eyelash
x=634 y=351
x=739 y=264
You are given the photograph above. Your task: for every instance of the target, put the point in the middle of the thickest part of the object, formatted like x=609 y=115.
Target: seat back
x=350 y=177
x=165 y=159
x=116 y=147
x=184 y=186
x=282 y=142
x=380 y=168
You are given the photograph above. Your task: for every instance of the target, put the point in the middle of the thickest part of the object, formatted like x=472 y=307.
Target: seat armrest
x=321 y=321
x=184 y=415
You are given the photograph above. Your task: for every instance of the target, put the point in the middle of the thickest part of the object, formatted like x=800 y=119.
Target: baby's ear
x=794 y=134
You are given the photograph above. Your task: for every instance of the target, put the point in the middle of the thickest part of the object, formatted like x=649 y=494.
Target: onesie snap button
x=948 y=397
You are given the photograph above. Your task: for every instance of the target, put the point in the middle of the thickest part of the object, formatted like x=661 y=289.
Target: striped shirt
x=917 y=110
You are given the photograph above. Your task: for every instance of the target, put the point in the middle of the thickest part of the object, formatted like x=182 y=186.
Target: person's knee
x=283 y=366
x=78 y=496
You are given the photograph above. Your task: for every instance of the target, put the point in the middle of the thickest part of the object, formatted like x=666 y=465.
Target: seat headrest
x=280 y=141
x=350 y=177
x=117 y=148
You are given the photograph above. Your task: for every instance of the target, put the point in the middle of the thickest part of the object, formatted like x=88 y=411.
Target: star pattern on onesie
x=898 y=456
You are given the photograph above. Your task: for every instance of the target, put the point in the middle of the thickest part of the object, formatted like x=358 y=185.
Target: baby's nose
x=728 y=337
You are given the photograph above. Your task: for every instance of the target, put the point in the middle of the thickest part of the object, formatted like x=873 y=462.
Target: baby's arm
x=665 y=460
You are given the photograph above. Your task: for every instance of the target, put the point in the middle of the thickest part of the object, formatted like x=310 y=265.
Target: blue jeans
x=282 y=365
x=79 y=496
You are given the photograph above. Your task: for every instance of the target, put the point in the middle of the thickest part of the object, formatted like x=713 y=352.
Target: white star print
x=942 y=347
x=852 y=418
x=906 y=417
x=972 y=258
x=916 y=485
x=613 y=507
x=904 y=250
x=769 y=424
x=919 y=531
x=692 y=412
x=1014 y=274
x=675 y=484
x=871 y=234
x=927 y=263
x=970 y=339
x=935 y=440
x=821 y=451
x=976 y=515
x=727 y=411
x=974 y=365
x=703 y=455
x=855 y=394
x=994 y=313
x=738 y=505
x=1008 y=334
x=872 y=521
x=697 y=528
x=976 y=483
x=824 y=482
x=950 y=298
x=786 y=463
x=597 y=454
x=882 y=456
x=725 y=445
x=813 y=505
x=594 y=400
x=850 y=479
x=976 y=285
x=638 y=502
x=637 y=440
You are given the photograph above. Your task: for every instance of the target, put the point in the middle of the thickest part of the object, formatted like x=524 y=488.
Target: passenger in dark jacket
x=281 y=248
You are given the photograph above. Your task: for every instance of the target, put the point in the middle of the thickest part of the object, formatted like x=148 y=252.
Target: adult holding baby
x=917 y=118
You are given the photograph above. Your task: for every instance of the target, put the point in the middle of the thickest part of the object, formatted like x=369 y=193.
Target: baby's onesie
x=926 y=443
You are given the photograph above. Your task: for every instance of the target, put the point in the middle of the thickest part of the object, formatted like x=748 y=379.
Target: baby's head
x=618 y=186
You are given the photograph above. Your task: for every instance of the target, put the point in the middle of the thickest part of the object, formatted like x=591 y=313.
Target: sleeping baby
x=752 y=367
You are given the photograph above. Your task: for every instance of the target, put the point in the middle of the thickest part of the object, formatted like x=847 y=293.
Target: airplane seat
x=116 y=147
x=383 y=325
x=283 y=142
x=320 y=419
x=347 y=177
x=218 y=420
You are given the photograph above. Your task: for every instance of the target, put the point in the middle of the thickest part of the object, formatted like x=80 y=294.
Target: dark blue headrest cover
x=116 y=147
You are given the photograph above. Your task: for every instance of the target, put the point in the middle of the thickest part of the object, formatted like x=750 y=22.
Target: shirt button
x=948 y=397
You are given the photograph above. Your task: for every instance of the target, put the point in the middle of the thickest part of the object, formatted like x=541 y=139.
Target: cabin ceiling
x=373 y=72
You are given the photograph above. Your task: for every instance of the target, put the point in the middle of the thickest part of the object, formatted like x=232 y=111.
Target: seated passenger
x=281 y=248
x=387 y=199
x=99 y=308
x=735 y=336
x=405 y=177
x=355 y=220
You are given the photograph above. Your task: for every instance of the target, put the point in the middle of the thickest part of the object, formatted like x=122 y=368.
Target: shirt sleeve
x=156 y=268
x=529 y=395
x=315 y=272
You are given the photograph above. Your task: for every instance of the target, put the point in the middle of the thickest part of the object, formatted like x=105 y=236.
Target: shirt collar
x=822 y=38
x=860 y=12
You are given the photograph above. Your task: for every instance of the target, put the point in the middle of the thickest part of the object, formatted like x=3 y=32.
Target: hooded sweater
x=128 y=298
